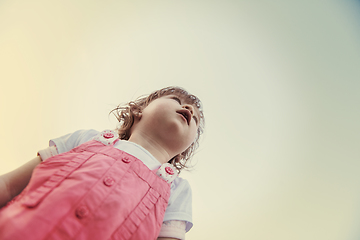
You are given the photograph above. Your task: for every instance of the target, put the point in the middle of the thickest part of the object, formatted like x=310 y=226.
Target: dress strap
x=107 y=137
x=167 y=172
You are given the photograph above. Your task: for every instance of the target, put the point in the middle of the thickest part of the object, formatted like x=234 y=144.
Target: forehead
x=185 y=99
x=184 y=95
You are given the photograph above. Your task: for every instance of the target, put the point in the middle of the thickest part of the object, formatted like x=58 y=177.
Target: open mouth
x=186 y=114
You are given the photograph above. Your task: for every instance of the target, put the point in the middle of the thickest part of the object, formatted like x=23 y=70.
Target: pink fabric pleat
x=91 y=192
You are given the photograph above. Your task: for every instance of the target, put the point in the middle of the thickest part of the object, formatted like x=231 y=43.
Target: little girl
x=113 y=184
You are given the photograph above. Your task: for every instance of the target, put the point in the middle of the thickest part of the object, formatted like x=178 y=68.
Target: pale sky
x=279 y=82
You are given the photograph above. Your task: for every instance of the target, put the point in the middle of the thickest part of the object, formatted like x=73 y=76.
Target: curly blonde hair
x=125 y=114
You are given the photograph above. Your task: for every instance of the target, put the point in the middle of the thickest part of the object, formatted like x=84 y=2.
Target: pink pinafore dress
x=94 y=191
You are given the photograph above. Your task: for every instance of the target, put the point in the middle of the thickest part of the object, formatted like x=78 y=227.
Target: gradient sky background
x=279 y=81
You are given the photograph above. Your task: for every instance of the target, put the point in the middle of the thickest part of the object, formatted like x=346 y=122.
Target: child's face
x=172 y=121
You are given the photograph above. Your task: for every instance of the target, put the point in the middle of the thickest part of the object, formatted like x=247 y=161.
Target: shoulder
x=71 y=140
x=84 y=135
x=79 y=135
x=180 y=193
x=180 y=184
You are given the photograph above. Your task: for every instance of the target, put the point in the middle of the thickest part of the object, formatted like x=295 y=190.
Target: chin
x=175 y=135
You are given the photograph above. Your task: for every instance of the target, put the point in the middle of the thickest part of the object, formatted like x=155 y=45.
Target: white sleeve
x=72 y=140
x=180 y=203
x=47 y=152
x=173 y=229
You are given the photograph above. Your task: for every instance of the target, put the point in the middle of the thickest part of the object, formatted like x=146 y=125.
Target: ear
x=137 y=118
x=138 y=115
x=136 y=112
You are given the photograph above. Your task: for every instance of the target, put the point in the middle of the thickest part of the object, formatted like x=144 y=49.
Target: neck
x=151 y=145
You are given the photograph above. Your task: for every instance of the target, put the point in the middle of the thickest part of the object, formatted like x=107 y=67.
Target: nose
x=190 y=108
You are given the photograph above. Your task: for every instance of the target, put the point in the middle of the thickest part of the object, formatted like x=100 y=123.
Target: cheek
x=157 y=108
x=190 y=140
x=192 y=135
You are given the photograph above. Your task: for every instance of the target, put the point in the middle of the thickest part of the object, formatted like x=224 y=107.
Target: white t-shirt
x=180 y=201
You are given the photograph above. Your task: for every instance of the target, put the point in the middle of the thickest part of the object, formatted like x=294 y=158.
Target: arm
x=12 y=183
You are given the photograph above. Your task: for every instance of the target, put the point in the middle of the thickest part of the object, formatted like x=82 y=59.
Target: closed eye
x=177 y=99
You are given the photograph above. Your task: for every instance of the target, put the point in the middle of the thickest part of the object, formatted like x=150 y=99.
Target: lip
x=187 y=114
